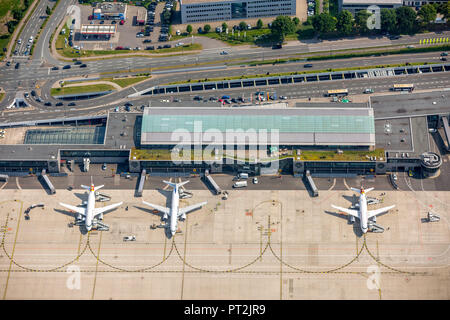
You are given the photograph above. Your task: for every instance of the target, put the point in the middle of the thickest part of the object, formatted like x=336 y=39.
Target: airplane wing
x=81 y=211
x=368 y=189
x=348 y=211
x=372 y=213
x=107 y=208
x=159 y=208
x=188 y=209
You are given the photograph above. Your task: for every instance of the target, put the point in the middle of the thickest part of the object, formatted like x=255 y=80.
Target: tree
x=224 y=27
x=296 y=21
x=243 y=25
x=427 y=13
x=406 y=18
x=344 y=22
x=48 y=11
x=388 y=20
x=17 y=14
x=324 y=23
x=189 y=29
x=282 y=26
x=361 y=21
x=207 y=28
x=259 y=24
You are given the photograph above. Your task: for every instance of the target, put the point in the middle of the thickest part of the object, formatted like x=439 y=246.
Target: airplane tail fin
x=176 y=184
x=359 y=190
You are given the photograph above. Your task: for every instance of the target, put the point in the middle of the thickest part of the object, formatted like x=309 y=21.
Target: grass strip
x=81 y=89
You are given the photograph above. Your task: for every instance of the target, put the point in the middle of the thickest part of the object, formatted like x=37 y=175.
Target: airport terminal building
x=195 y=11
x=357 y=5
x=327 y=140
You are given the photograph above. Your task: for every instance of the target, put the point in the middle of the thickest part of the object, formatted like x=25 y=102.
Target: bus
x=403 y=87
x=338 y=92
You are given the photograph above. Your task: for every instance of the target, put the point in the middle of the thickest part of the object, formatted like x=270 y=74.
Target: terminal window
x=239 y=10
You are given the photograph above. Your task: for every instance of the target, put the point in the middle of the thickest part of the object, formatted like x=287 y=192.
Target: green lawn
x=124 y=82
x=81 y=89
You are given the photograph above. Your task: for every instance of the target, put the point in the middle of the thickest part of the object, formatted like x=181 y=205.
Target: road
x=37 y=71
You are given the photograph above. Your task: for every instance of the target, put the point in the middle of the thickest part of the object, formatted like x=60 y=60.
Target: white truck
x=240 y=184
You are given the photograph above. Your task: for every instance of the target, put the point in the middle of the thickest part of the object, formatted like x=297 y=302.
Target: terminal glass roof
x=75 y=135
x=284 y=123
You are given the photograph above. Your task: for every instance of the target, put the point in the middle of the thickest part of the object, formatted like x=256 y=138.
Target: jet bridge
x=48 y=182
x=314 y=190
x=213 y=184
x=447 y=131
x=141 y=184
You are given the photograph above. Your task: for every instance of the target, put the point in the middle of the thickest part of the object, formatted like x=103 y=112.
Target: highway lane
x=210 y=74
x=295 y=91
x=32 y=28
x=30 y=72
x=35 y=71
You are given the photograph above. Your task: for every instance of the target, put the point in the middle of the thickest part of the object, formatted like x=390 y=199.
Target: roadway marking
x=14 y=247
x=184 y=256
x=96 y=265
x=345 y=184
x=17 y=183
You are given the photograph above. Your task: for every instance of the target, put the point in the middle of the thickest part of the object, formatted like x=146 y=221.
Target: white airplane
x=174 y=211
x=90 y=212
x=362 y=213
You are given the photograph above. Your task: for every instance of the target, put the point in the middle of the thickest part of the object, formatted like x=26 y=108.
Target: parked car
x=67 y=66
x=48 y=103
x=104 y=167
x=121 y=22
x=55 y=68
x=59 y=104
x=368 y=90
x=84 y=65
x=71 y=104
x=150 y=48
x=77 y=62
x=128 y=104
x=147 y=40
x=308 y=65
x=17 y=66
x=119 y=48
x=444 y=54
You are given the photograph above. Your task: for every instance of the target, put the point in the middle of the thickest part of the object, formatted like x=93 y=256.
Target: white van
x=240 y=184
x=243 y=176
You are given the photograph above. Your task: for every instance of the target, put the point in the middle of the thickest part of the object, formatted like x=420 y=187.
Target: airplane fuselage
x=363 y=212
x=174 y=210
x=90 y=210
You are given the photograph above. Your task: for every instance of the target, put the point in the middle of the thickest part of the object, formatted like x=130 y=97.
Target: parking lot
x=128 y=35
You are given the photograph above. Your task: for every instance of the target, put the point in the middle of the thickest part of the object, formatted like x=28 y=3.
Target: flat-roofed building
x=110 y=11
x=324 y=127
x=419 y=3
x=193 y=11
x=356 y=5
x=141 y=17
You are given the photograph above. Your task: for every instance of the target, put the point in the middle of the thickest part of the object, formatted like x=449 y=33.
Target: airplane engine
x=183 y=217
x=351 y=219
x=79 y=217
x=374 y=219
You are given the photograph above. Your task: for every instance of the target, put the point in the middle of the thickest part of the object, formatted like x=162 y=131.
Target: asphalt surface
x=225 y=181
x=36 y=72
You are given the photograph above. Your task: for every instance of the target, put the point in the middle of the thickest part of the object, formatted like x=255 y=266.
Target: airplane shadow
x=356 y=229
x=353 y=199
x=81 y=196
x=82 y=227
x=150 y=210
x=168 y=195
